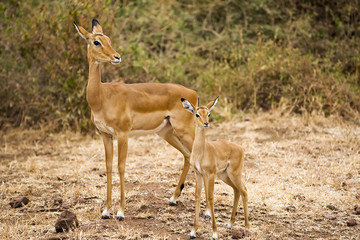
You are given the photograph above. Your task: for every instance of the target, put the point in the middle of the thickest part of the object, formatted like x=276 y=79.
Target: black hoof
x=120 y=218
x=105 y=217
x=192 y=237
x=172 y=204
x=207 y=217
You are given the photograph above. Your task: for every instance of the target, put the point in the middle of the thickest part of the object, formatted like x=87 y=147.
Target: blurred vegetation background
x=297 y=55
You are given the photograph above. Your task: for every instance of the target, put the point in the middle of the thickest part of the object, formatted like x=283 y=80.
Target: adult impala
x=120 y=110
x=221 y=158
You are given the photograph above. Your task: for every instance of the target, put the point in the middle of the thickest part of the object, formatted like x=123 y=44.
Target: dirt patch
x=302 y=177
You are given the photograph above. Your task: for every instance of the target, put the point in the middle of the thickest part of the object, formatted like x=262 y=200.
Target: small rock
x=56 y=238
x=57 y=201
x=19 y=202
x=81 y=200
x=357 y=209
x=299 y=197
x=331 y=207
x=247 y=119
x=290 y=208
x=238 y=234
x=145 y=235
x=330 y=217
x=66 y=221
x=351 y=222
x=357 y=196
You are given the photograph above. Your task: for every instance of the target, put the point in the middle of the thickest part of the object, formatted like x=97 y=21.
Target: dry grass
x=303 y=178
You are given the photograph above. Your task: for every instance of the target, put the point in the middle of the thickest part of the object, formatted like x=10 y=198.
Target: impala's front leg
x=198 y=189
x=122 y=154
x=108 y=145
x=210 y=200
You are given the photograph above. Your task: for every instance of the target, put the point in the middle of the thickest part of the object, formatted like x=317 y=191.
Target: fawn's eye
x=97 y=43
x=209 y=115
x=197 y=115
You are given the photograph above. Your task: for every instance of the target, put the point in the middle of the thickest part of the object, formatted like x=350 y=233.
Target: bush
x=253 y=54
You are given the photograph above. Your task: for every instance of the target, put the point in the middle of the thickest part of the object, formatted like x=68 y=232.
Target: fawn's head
x=99 y=45
x=201 y=113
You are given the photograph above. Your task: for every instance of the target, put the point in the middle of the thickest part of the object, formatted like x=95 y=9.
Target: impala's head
x=201 y=113
x=99 y=45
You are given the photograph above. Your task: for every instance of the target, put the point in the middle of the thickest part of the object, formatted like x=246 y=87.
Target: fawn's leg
x=210 y=199
x=198 y=189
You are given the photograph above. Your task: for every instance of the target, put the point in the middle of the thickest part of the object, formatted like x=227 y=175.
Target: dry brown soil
x=302 y=175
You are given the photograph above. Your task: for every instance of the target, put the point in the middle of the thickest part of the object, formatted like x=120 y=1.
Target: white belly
x=102 y=127
x=144 y=132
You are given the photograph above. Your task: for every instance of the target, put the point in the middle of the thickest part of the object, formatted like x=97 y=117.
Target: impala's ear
x=83 y=33
x=212 y=104
x=187 y=105
x=96 y=28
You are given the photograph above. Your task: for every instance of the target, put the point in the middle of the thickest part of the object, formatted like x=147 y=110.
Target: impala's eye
x=97 y=43
x=209 y=115
x=197 y=115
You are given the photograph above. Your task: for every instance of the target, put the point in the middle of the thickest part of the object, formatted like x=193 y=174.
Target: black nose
x=117 y=58
x=206 y=124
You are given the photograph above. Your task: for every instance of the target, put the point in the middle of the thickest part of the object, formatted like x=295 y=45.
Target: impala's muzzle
x=117 y=60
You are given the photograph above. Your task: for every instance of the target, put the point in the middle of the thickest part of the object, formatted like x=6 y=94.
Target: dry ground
x=303 y=179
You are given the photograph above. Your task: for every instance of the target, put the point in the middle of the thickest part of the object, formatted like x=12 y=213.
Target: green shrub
x=253 y=54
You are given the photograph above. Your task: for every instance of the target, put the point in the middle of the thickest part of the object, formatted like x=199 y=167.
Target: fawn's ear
x=96 y=28
x=82 y=32
x=212 y=104
x=187 y=105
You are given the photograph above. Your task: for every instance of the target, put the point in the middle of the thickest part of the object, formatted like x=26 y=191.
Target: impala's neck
x=93 y=91
x=199 y=141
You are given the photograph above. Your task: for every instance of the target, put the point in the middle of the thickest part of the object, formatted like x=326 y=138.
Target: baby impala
x=220 y=158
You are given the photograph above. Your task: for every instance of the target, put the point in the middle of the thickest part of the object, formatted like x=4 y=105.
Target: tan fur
x=119 y=109
x=221 y=158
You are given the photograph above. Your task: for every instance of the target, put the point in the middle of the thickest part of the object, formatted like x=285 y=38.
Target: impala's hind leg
x=240 y=187
x=169 y=135
x=224 y=176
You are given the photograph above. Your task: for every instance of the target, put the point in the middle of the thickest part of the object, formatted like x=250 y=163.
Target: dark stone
x=357 y=209
x=19 y=202
x=66 y=221
x=238 y=234
x=351 y=222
